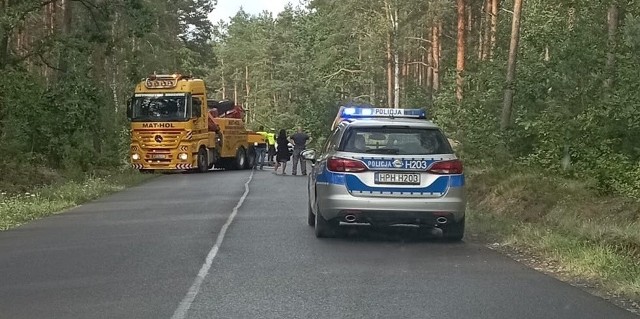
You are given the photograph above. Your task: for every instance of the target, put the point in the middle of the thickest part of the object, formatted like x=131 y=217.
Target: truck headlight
x=135 y=157
x=183 y=156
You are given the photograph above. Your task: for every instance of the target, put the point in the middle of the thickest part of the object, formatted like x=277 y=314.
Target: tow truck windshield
x=160 y=107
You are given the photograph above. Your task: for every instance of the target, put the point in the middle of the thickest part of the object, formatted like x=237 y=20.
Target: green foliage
x=595 y=238
x=63 y=92
x=566 y=120
x=17 y=209
x=297 y=67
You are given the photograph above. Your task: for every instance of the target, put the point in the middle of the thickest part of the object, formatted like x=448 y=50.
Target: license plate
x=397 y=178
x=158 y=156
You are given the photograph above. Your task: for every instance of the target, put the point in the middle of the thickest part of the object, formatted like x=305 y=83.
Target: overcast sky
x=228 y=8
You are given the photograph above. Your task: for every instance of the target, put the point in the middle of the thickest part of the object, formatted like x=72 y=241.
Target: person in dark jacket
x=299 y=140
x=282 y=151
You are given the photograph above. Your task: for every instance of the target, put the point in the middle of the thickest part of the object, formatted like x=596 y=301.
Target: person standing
x=261 y=149
x=282 y=152
x=271 y=152
x=299 y=141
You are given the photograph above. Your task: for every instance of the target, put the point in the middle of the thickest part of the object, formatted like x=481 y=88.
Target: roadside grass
x=18 y=209
x=592 y=237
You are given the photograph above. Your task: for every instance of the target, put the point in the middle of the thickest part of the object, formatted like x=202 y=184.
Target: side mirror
x=309 y=155
x=196 y=108
x=129 y=109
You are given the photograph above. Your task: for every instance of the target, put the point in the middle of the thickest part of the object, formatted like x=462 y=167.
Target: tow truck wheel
x=241 y=158
x=251 y=158
x=203 y=160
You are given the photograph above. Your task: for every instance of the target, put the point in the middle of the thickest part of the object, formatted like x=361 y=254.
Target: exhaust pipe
x=350 y=218
x=442 y=220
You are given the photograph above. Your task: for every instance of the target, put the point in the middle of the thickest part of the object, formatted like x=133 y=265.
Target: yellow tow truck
x=175 y=127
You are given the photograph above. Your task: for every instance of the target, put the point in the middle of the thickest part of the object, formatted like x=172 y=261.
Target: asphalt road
x=160 y=251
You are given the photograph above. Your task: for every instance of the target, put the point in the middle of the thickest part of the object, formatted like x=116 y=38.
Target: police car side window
x=325 y=148
x=332 y=141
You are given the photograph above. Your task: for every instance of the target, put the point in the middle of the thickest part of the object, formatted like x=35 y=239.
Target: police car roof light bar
x=357 y=112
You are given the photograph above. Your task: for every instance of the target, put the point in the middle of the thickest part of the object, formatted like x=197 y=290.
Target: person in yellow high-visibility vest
x=271 y=144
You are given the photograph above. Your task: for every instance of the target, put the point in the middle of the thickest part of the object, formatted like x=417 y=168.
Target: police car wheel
x=311 y=217
x=454 y=231
x=324 y=228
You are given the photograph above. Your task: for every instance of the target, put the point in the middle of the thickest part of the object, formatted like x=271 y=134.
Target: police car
x=386 y=167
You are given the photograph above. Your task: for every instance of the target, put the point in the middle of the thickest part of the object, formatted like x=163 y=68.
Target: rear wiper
x=384 y=151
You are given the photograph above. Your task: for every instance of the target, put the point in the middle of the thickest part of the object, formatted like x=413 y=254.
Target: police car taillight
x=446 y=167
x=337 y=164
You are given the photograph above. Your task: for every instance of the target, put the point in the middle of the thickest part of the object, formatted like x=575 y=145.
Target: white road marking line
x=185 y=304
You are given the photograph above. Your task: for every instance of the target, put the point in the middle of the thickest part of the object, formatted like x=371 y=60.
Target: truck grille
x=159 y=139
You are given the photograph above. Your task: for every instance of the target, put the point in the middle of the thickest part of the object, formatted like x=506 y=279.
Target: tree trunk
x=417 y=70
x=4 y=37
x=246 y=83
x=430 y=72
x=67 y=19
x=389 y=70
x=469 y=27
x=439 y=42
x=482 y=33
x=224 y=82
x=393 y=71
x=247 y=89
x=51 y=13
x=486 y=30
x=396 y=80
x=511 y=66
x=372 y=93
x=421 y=68
x=494 y=28
x=114 y=71
x=67 y=6
x=435 y=52
x=612 y=23
x=235 y=87
x=460 y=52
x=275 y=97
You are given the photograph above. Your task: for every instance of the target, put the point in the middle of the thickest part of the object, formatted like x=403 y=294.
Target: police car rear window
x=395 y=141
